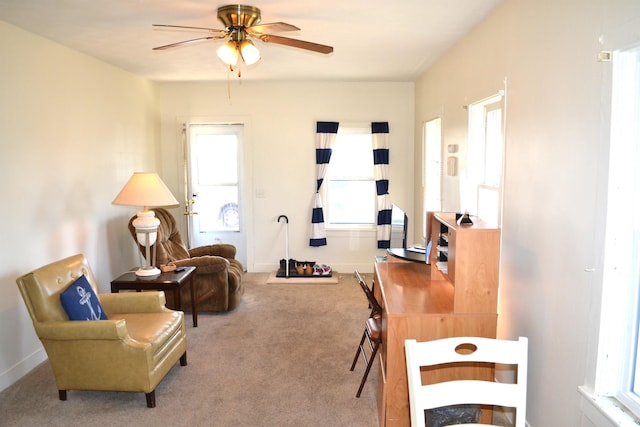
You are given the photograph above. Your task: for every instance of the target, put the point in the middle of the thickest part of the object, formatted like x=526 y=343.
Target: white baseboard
x=22 y=368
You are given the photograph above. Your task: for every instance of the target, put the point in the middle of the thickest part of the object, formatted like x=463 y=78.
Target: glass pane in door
x=217 y=182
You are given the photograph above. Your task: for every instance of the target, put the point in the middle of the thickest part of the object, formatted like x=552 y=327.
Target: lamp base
x=147 y=271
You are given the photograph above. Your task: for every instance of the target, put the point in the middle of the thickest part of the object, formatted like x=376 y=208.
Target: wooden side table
x=171 y=281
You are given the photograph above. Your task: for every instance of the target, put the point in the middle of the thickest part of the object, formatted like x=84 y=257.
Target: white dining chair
x=470 y=391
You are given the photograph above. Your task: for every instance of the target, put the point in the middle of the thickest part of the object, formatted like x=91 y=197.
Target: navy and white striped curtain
x=325 y=136
x=380 y=135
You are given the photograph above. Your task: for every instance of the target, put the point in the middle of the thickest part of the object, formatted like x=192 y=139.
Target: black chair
x=372 y=332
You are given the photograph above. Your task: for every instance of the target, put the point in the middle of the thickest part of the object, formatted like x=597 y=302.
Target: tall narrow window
x=618 y=373
x=482 y=192
x=432 y=175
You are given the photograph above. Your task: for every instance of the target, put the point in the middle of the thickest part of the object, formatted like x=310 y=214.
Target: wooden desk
x=171 y=281
x=415 y=306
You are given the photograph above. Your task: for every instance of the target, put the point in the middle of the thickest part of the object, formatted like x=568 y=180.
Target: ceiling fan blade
x=222 y=33
x=168 y=46
x=320 y=48
x=273 y=27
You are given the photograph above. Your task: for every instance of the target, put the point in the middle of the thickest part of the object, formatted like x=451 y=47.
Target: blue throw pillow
x=81 y=302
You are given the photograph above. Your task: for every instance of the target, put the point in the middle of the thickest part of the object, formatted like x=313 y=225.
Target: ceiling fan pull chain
x=229 y=83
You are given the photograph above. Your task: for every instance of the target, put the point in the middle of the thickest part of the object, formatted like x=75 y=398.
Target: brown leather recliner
x=218 y=274
x=131 y=351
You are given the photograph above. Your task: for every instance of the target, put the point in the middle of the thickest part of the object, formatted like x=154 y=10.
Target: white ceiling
x=373 y=40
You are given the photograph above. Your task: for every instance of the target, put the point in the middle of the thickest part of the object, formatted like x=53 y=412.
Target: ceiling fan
x=242 y=23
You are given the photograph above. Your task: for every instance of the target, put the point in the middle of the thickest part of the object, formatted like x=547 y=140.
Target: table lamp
x=146 y=189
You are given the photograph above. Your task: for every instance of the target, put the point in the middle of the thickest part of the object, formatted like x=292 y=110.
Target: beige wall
x=555 y=180
x=280 y=156
x=72 y=130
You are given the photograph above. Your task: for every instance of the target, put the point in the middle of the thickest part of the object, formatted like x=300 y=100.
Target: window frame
x=618 y=363
x=325 y=190
x=477 y=188
x=432 y=168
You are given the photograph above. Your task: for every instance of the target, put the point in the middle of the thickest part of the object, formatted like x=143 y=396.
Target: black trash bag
x=454 y=414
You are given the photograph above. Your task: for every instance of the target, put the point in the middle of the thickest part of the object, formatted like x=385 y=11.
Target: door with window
x=213 y=175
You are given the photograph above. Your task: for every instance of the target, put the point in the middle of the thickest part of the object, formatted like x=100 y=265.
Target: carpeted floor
x=281 y=358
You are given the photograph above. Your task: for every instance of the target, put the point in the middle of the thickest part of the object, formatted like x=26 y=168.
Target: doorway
x=214 y=186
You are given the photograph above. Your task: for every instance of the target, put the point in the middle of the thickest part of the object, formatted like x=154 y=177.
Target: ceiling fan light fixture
x=242 y=22
x=228 y=53
x=250 y=53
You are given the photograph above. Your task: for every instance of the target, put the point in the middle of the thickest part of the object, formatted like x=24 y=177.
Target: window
x=432 y=175
x=349 y=188
x=618 y=371
x=482 y=195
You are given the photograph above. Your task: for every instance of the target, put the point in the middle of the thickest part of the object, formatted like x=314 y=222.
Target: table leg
x=176 y=298
x=194 y=300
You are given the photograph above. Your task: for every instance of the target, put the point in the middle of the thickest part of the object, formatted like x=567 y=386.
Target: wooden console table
x=421 y=302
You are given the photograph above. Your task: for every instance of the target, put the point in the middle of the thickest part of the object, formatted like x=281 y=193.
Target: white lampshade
x=146 y=189
x=228 y=53
x=250 y=53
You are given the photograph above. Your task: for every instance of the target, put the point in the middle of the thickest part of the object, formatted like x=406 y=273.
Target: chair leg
x=151 y=399
x=369 y=364
x=355 y=359
x=183 y=359
x=62 y=394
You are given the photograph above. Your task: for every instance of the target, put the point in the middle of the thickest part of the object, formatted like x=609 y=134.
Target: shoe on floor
x=321 y=270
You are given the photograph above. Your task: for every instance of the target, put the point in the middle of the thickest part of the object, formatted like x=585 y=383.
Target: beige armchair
x=131 y=351
x=219 y=275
